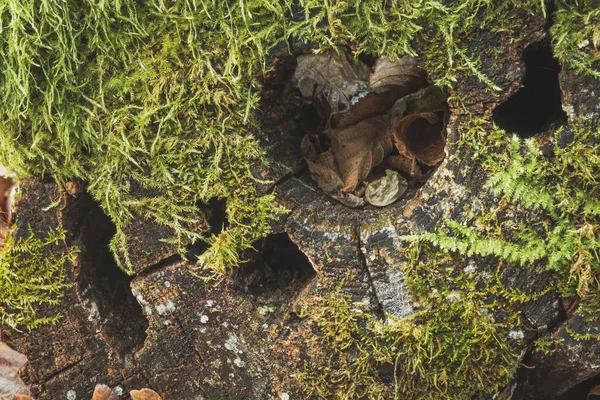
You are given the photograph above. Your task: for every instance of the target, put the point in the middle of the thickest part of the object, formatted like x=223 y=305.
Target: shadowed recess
x=105 y=288
x=279 y=269
x=537 y=104
x=584 y=390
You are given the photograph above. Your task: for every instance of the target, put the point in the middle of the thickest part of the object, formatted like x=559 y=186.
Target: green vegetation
x=560 y=196
x=163 y=97
x=450 y=348
x=576 y=35
x=31 y=276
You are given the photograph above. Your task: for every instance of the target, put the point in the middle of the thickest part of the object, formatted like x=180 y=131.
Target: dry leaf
x=144 y=394
x=430 y=99
x=327 y=178
x=10 y=363
x=359 y=148
x=328 y=79
x=420 y=136
x=594 y=393
x=371 y=105
x=21 y=397
x=103 y=392
x=386 y=190
x=410 y=167
x=403 y=76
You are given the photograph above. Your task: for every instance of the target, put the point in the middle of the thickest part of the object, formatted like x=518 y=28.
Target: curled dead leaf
x=103 y=392
x=429 y=99
x=326 y=177
x=328 y=79
x=144 y=394
x=410 y=167
x=386 y=190
x=359 y=148
x=594 y=393
x=420 y=136
x=403 y=76
x=369 y=106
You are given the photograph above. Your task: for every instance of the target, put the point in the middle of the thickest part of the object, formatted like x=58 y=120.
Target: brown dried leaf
x=409 y=167
x=349 y=199
x=326 y=177
x=369 y=106
x=103 y=392
x=420 y=136
x=144 y=394
x=21 y=397
x=430 y=99
x=403 y=75
x=327 y=77
x=595 y=391
x=359 y=148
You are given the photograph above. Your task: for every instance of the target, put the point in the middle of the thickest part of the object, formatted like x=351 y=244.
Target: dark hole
x=106 y=288
x=216 y=212
x=280 y=269
x=580 y=392
x=537 y=105
x=309 y=118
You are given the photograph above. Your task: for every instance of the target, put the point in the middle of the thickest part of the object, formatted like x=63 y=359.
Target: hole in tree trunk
x=339 y=114
x=278 y=271
x=537 y=105
x=105 y=288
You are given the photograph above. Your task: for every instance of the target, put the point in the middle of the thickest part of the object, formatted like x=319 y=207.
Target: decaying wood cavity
x=537 y=106
x=379 y=118
x=105 y=289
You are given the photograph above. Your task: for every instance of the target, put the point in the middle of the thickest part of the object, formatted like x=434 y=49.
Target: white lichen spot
x=284 y=396
x=239 y=363
x=168 y=307
x=516 y=335
x=231 y=343
x=225 y=324
x=204 y=319
x=118 y=390
x=471 y=268
x=167 y=284
x=583 y=43
x=485 y=275
x=94 y=313
x=166 y=322
x=71 y=395
x=453 y=296
x=210 y=303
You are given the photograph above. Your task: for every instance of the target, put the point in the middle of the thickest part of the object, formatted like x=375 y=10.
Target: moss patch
x=32 y=275
x=452 y=347
x=163 y=96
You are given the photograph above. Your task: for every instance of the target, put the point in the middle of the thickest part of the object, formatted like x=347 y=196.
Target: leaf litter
x=384 y=126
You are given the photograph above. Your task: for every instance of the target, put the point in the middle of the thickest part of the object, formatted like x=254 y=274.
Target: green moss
x=560 y=196
x=32 y=276
x=576 y=35
x=451 y=347
x=164 y=96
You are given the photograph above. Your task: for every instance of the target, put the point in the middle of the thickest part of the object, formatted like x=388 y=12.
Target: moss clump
x=451 y=347
x=576 y=35
x=31 y=276
x=154 y=104
x=561 y=192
